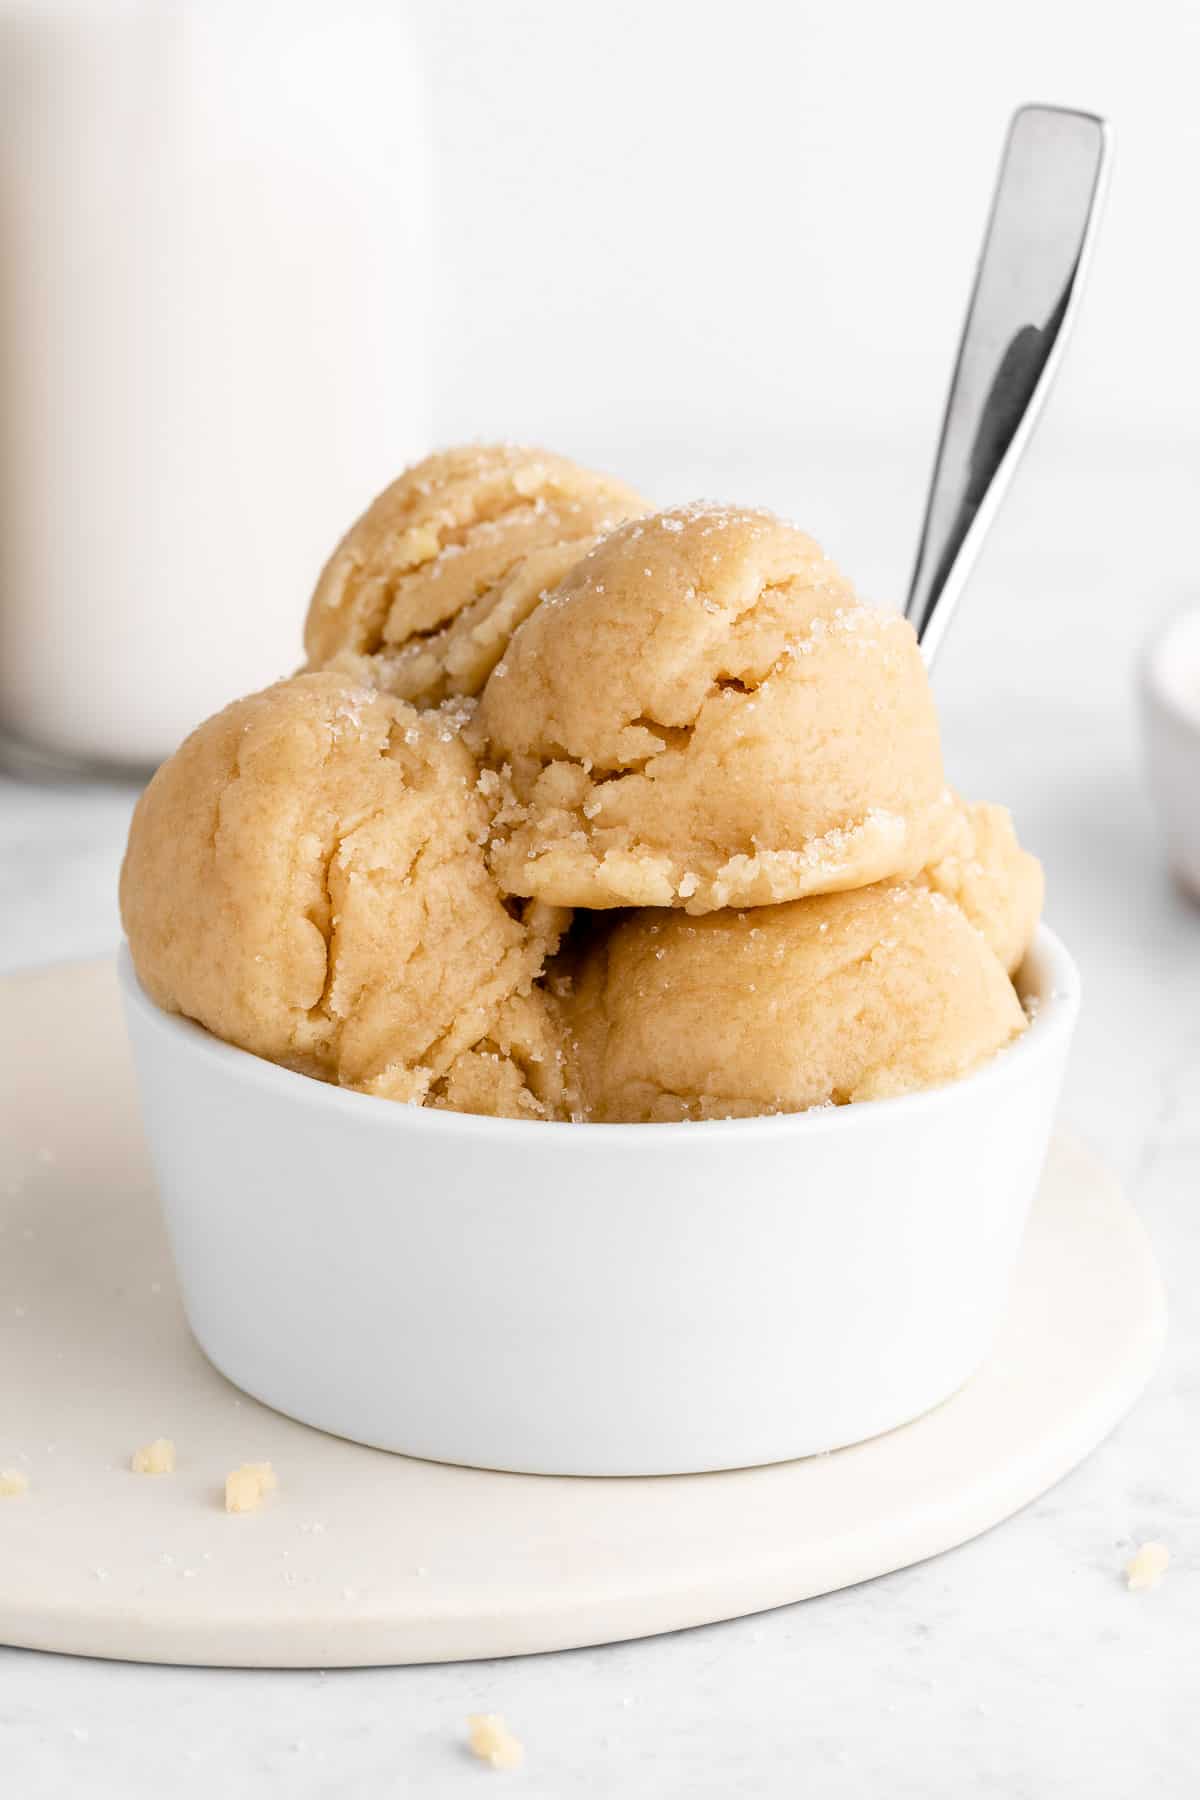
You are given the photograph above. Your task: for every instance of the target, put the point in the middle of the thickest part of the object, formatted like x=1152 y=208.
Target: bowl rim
x=1050 y=974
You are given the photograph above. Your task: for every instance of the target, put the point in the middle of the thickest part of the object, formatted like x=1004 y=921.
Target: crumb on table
x=492 y=1742
x=1147 y=1566
x=157 y=1458
x=12 y=1483
x=247 y=1487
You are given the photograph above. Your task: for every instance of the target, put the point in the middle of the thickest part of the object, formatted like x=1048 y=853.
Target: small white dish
x=596 y=1299
x=1170 y=706
x=365 y=1558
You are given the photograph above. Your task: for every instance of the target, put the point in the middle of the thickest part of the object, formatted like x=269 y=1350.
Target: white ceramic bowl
x=595 y=1299
x=1170 y=704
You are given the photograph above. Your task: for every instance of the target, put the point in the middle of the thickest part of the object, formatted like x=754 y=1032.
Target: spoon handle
x=1027 y=284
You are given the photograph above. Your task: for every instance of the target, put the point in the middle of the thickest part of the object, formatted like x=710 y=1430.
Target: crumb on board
x=492 y=1742
x=247 y=1487
x=1147 y=1566
x=12 y=1483
x=157 y=1458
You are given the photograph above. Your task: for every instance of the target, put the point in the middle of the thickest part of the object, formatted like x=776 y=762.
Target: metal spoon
x=1042 y=225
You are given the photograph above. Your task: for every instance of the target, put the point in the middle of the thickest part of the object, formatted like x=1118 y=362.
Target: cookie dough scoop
x=305 y=877
x=996 y=883
x=818 y=1002
x=701 y=715
x=426 y=588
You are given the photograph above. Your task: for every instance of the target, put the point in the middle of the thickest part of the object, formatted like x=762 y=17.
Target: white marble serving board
x=366 y=1558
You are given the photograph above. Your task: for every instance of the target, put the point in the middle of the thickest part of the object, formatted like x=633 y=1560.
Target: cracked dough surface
x=702 y=714
x=426 y=588
x=305 y=877
x=837 y=998
x=520 y=1070
x=997 y=884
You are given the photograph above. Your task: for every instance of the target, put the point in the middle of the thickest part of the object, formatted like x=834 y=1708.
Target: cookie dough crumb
x=12 y=1483
x=1146 y=1567
x=492 y=1742
x=157 y=1458
x=246 y=1488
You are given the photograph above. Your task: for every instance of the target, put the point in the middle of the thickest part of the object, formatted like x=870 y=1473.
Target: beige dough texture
x=997 y=884
x=835 y=998
x=157 y=1458
x=702 y=715
x=1147 y=1566
x=425 y=590
x=248 y=1486
x=306 y=878
x=489 y=1738
x=520 y=1070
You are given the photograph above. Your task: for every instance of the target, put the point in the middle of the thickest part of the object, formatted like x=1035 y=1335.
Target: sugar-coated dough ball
x=306 y=878
x=426 y=588
x=702 y=715
x=840 y=997
x=997 y=884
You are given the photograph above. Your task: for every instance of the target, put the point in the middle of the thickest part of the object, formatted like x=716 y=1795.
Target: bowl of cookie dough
x=578 y=1029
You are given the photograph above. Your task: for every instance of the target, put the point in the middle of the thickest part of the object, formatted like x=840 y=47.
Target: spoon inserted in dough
x=1040 y=231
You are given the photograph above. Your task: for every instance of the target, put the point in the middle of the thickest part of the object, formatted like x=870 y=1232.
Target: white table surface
x=1016 y=1666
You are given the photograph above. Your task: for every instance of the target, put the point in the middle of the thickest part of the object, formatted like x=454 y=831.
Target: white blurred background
x=745 y=229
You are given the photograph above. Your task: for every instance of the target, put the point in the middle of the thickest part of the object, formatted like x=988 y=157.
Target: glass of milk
x=213 y=306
